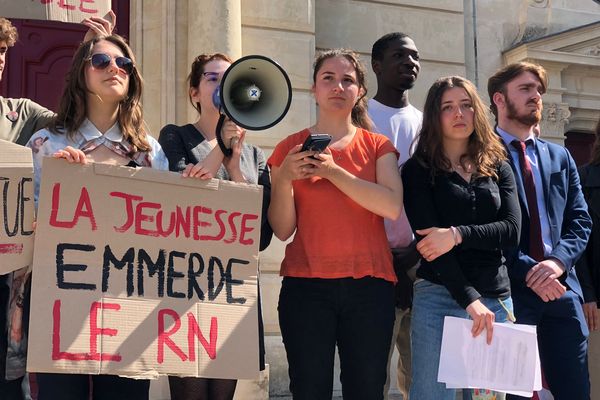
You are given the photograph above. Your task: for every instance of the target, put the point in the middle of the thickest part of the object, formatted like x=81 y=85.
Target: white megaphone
x=255 y=93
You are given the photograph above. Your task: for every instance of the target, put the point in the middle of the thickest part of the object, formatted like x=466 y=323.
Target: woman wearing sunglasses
x=19 y=119
x=192 y=149
x=99 y=119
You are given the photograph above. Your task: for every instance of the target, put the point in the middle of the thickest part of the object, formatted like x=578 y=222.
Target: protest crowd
x=456 y=210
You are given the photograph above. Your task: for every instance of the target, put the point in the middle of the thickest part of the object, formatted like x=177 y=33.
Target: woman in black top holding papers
x=460 y=197
x=588 y=266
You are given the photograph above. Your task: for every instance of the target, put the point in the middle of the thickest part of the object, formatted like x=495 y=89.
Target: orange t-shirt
x=335 y=237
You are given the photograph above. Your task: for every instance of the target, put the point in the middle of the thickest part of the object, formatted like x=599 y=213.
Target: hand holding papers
x=509 y=364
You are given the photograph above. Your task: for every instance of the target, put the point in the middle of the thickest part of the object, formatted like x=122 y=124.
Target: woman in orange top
x=338 y=285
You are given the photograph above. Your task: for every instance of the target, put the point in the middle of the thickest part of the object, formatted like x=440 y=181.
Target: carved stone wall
x=463 y=37
x=554 y=119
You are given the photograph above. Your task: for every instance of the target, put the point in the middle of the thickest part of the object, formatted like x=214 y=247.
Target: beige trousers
x=400 y=341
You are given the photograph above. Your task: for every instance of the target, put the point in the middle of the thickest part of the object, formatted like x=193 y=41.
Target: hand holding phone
x=316 y=142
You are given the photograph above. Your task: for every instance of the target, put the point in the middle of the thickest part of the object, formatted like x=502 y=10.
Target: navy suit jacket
x=570 y=223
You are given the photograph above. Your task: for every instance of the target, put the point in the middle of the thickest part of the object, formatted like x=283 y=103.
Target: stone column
x=556 y=113
x=214 y=26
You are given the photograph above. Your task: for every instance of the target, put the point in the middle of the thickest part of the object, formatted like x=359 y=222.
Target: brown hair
x=498 y=81
x=595 y=159
x=73 y=103
x=8 y=32
x=360 y=117
x=484 y=147
x=197 y=70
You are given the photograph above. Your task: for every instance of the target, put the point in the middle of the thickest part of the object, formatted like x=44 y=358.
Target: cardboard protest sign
x=56 y=10
x=17 y=210
x=139 y=272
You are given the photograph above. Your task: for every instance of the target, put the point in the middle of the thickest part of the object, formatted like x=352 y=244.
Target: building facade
x=472 y=38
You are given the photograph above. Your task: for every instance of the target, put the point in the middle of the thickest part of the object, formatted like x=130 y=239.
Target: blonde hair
x=8 y=32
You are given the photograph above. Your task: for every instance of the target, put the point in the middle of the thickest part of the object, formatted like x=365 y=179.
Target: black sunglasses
x=102 y=61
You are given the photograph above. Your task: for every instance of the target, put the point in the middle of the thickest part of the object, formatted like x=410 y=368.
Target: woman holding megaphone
x=192 y=149
x=338 y=279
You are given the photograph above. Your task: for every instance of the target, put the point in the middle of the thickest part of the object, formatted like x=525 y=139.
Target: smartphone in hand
x=316 y=142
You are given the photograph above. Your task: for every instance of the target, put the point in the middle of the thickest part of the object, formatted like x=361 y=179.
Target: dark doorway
x=580 y=146
x=36 y=66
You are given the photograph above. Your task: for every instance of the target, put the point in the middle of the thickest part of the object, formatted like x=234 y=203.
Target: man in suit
x=556 y=228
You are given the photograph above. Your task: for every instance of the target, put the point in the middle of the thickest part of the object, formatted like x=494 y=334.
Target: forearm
x=236 y=175
x=506 y=230
x=282 y=210
x=213 y=161
x=372 y=196
x=519 y=264
x=173 y=147
x=577 y=223
x=495 y=235
x=572 y=242
x=449 y=273
x=264 y=179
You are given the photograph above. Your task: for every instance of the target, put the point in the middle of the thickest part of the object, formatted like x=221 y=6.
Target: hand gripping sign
x=139 y=272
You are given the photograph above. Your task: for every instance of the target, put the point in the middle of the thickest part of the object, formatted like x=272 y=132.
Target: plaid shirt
x=45 y=143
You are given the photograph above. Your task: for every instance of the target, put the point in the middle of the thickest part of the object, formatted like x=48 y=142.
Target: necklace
x=464 y=173
x=460 y=167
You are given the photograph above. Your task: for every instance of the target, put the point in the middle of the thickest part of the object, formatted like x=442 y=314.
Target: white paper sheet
x=510 y=364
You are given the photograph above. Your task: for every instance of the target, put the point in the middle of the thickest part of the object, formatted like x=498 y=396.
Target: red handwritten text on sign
x=148 y=218
x=72 y=5
x=164 y=336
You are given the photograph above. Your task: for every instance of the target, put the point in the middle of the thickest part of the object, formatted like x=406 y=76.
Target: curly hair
x=73 y=104
x=382 y=44
x=8 y=33
x=484 y=148
x=360 y=117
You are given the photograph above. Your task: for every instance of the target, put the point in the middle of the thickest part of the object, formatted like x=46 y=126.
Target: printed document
x=510 y=364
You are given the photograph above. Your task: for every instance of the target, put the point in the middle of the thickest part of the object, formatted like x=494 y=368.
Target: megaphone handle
x=227 y=152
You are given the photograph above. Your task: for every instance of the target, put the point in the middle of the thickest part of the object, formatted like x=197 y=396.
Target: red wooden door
x=36 y=66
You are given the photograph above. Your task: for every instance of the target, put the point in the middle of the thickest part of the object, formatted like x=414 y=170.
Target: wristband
x=454 y=235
